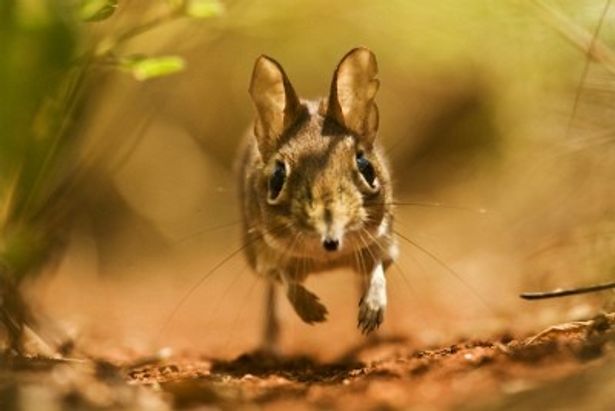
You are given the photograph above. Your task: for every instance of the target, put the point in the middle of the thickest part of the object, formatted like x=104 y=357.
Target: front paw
x=371 y=314
x=307 y=304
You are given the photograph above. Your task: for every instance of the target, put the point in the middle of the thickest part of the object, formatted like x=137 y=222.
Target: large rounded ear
x=276 y=102
x=351 y=99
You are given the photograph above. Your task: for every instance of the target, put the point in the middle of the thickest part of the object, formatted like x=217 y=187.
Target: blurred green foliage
x=96 y=10
x=38 y=95
x=144 y=68
x=49 y=66
x=47 y=75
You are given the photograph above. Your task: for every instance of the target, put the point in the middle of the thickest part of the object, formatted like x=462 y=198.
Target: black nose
x=331 y=244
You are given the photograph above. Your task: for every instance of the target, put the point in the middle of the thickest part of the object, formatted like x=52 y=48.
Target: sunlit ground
x=496 y=117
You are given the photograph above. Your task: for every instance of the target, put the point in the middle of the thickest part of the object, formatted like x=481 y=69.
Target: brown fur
x=324 y=193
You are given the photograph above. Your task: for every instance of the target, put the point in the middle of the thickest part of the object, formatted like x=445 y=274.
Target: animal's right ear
x=276 y=102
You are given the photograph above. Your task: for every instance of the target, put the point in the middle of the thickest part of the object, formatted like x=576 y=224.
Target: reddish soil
x=380 y=374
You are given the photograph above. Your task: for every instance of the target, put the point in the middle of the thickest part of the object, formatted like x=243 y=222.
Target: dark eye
x=277 y=179
x=366 y=169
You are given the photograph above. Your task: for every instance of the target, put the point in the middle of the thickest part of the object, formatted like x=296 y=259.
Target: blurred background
x=120 y=123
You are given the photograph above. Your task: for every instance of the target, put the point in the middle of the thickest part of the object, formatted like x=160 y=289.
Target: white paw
x=371 y=314
x=373 y=303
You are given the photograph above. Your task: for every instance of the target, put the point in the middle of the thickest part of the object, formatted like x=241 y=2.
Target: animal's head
x=323 y=186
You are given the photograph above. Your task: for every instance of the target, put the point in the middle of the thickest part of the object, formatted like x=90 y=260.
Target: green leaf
x=145 y=68
x=96 y=10
x=203 y=9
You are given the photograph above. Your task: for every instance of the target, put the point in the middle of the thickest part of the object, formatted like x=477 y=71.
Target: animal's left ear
x=277 y=104
x=351 y=99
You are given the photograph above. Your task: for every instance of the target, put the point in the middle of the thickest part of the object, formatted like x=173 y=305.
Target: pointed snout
x=334 y=230
x=329 y=219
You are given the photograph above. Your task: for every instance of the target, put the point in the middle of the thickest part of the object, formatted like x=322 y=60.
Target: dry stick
x=567 y=292
x=442 y=264
x=596 y=50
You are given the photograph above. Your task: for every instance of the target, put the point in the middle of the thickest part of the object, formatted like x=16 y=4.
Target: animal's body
x=315 y=189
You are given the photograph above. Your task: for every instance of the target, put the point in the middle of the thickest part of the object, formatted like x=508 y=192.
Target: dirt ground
x=138 y=343
x=568 y=366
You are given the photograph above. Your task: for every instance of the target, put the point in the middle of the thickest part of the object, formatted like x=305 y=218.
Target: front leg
x=374 y=301
x=307 y=305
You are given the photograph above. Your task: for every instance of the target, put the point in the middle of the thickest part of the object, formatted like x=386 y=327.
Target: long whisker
x=412 y=256
x=207 y=230
x=435 y=205
x=283 y=255
x=240 y=310
x=196 y=285
x=362 y=263
x=355 y=257
x=442 y=264
x=288 y=251
x=222 y=296
x=368 y=248
x=401 y=272
x=397 y=266
x=211 y=271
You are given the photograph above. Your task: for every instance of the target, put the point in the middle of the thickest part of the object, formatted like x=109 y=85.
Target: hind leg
x=271 y=329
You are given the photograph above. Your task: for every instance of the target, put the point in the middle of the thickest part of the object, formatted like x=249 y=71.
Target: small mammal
x=315 y=189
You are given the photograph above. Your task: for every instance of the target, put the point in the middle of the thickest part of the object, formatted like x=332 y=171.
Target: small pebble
x=248 y=377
